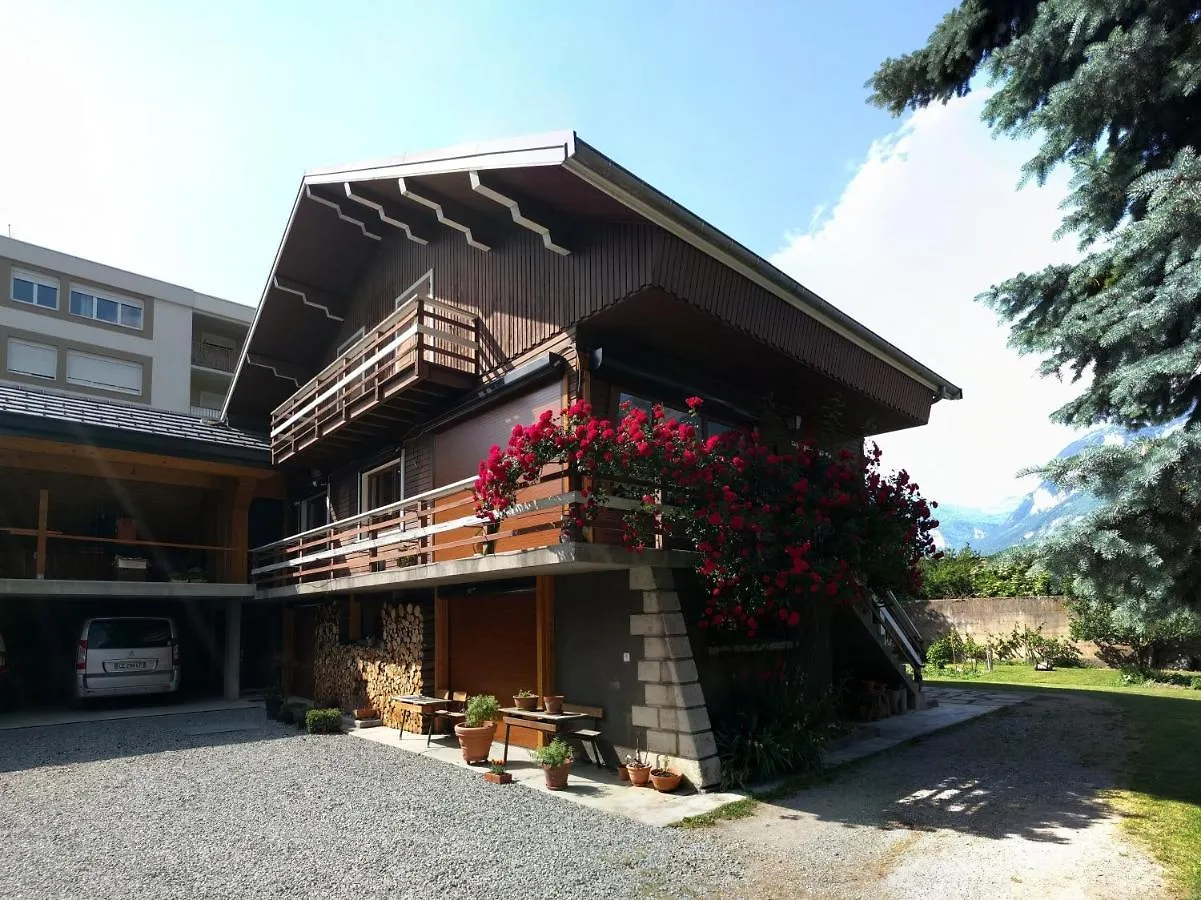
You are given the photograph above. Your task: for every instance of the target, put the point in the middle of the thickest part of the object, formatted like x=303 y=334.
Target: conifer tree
x=1112 y=90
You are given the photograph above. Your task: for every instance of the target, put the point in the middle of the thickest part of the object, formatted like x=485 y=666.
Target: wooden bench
x=588 y=735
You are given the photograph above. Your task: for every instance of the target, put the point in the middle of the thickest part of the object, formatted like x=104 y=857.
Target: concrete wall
x=982 y=616
x=592 y=639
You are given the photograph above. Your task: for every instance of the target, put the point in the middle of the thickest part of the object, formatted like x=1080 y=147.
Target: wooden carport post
x=43 y=520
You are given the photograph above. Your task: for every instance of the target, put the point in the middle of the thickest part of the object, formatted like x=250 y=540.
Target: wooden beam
x=525 y=212
x=414 y=225
x=478 y=231
x=289 y=648
x=544 y=601
x=356 y=618
x=441 y=643
x=43 y=518
x=347 y=210
x=75 y=465
x=238 y=565
x=152 y=460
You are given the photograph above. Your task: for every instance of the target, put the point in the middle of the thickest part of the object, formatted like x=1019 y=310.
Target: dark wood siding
x=526 y=296
x=419 y=465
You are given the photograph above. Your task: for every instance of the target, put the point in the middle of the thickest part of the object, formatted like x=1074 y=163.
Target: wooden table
x=537 y=719
x=425 y=708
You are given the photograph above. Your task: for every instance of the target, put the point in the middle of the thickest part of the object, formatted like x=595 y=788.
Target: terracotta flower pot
x=640 y=776
x=553 y=704
x=525 y=702
x=556 y=776
x=665 y=781
x=476 y=742
x=623 y=774
x=499 y=777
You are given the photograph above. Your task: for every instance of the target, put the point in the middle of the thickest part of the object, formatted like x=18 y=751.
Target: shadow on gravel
x=83 y=742
x=1029 y=771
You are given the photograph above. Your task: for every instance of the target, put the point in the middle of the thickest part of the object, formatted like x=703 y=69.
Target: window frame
x=97 y=294
x=704 y=421
x=97 y=386
x=37 y=280
x=38 y=344
x=302 y=525
x=365 y=476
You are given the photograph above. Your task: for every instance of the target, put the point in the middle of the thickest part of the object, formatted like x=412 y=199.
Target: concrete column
x=233 y=649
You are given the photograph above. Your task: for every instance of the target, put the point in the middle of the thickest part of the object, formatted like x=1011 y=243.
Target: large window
x=90 y=370
x=708 y=426
x=313 y=512
x=90 y=303
x=29 y=358
x=36 y=290
x=382 y=485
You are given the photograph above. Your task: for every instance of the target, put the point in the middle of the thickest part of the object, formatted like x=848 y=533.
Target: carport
x=41 y=622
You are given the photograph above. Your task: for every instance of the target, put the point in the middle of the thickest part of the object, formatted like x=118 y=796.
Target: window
x=348 y=343
x=128 y=634
x=313 y=512
x=36 y=290
x=707 y=427
x=382 y=485
x=89 y=370
x=28 y=358
x=89 y=303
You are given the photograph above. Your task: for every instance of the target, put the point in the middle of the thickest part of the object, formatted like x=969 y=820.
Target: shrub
x=287 y=714
x=525 y=692
x=965 y=573
x=953 y=647
x=771 y=730
x=481 y=709
x=554 y=754
x=1195 y=682
x=323 y=721
x=1031 y=645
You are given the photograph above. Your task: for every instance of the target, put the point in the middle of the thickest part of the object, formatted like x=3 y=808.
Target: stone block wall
x=672 y=720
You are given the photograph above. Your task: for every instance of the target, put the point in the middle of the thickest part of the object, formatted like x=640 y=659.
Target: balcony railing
x=424 y=340
x=213 y=356
x=435 y=526
x=205 y=412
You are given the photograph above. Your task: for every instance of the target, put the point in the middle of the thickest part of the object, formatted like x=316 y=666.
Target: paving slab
x=588 y=785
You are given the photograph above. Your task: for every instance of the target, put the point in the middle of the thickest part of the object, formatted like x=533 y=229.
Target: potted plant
x=555 y=759
x=553 y=704
x=526 y=700
x=638 y=769
x=664 y=779
x=496 y=772
x=478 y=728
x=273 y=703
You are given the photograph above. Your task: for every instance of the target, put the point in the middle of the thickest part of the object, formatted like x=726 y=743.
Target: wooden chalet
x=418 y=307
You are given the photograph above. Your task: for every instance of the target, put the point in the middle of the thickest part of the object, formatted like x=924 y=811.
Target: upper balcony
x=396 y=374
x=217 y=357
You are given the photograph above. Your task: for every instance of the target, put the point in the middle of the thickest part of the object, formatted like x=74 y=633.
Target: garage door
x=493 y=649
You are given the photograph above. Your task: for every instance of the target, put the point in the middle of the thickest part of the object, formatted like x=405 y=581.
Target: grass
x=745 y=807
x=1160 y=793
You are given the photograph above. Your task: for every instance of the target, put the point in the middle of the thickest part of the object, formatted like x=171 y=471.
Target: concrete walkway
x=38 y=718
x=589 y=786
x=949 y=706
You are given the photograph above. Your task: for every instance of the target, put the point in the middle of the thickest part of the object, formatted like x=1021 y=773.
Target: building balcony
x=397 y=374
x=437 y=526
x=215 y=357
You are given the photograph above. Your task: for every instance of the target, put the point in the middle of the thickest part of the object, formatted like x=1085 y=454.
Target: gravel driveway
x=231 y=805
x=1009 y=805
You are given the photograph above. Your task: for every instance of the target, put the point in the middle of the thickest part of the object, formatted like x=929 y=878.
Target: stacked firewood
x=358 y=675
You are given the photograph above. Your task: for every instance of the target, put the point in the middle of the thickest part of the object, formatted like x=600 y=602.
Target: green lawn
x=1160 y=799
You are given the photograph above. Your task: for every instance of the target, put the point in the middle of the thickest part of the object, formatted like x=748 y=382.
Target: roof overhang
x=417 y=192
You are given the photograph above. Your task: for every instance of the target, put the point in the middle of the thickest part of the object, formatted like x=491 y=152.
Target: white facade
x=73 y=325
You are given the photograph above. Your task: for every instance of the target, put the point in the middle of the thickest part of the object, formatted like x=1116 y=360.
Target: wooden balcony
x=397 y=374
x=436 y=526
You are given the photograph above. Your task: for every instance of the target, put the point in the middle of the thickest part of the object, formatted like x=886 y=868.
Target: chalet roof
x=29 y=412
x=540 y=183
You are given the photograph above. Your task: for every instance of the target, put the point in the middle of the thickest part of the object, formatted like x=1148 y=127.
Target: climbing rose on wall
x=774 y=527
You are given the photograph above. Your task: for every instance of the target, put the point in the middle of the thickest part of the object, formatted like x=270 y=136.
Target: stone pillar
x=233 y=649
x=673 y=713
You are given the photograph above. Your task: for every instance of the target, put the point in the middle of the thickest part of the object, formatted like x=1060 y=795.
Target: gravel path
x=231 y=805
x=1010 y=805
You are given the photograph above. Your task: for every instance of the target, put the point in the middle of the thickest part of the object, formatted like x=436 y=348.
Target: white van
x=127 y=655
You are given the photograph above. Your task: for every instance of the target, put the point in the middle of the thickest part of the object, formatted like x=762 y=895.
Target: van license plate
x=131 y=665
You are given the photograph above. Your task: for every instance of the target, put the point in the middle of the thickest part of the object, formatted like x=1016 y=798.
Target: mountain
x=1040 y=512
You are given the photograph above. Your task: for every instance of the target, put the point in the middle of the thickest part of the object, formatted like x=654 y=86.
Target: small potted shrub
x=274 y=703
x=323 y=721
x=553 y=704
x=555 y=759
x=496 y=772
x=664 y=779
x=478 y=728
x=526 y=700
x=638 y=769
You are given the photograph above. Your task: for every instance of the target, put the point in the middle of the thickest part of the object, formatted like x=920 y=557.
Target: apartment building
x=76 y=326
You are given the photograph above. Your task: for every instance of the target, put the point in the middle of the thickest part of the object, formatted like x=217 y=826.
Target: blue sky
x=169 y=138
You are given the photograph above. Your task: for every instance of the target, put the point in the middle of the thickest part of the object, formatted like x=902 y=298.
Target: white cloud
x=932 y=218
